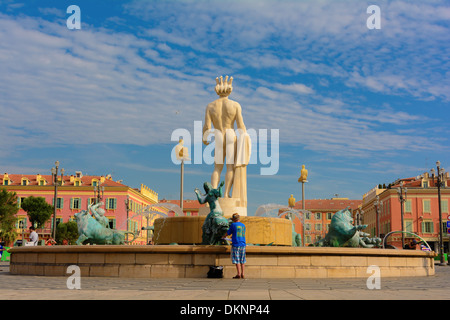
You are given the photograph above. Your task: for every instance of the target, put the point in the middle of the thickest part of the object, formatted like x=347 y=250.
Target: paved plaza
x=14 y=287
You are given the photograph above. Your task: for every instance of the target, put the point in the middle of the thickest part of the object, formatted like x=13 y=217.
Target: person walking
x=238 y=244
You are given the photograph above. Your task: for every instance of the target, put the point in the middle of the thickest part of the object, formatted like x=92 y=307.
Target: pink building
x=420 y=210
x=74 y=194
x=190 y=207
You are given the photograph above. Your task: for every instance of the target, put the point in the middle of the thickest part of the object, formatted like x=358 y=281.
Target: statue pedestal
x=228 y=205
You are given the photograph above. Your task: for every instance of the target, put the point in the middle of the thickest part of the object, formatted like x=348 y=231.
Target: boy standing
x=237 y=231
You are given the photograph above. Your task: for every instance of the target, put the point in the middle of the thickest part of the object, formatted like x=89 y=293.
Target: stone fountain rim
x=278 y=250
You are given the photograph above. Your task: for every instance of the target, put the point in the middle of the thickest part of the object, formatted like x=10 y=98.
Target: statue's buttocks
x=224 y=114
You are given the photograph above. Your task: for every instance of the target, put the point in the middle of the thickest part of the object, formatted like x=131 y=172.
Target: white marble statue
x=231 y=150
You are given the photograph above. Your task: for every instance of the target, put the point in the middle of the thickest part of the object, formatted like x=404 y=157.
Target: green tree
x=67 y=231
x=38 y=210
x=8 y=211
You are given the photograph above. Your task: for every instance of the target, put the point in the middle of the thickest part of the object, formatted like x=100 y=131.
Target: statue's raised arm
x=200 y=197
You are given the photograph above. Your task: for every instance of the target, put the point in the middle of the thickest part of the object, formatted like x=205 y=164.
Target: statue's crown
x=224 y=88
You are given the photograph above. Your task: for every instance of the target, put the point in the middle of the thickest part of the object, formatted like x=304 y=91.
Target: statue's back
x=223 y=113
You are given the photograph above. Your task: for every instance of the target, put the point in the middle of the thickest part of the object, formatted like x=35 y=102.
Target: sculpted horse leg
x=81 y=239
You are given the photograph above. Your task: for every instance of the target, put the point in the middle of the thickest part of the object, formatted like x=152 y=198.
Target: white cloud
x=100 y=86
x=295 y=88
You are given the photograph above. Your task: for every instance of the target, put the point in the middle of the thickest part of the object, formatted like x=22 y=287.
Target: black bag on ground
x=215 y=272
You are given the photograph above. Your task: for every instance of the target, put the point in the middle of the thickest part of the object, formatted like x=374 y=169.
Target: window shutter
x=444 y=205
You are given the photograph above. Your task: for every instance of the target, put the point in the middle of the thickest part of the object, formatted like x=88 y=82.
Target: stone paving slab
x=19 y=287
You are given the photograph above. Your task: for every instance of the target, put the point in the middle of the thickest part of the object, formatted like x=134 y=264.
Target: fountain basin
x=188 y=230
x=190 y=261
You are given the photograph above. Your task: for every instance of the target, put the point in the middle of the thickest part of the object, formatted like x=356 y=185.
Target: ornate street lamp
x=360 y=217
x=402 y=191
x=440 y=180
x=99 y=192
x=55 y=197
x=291 y=201
x=127 y=206
x=181 y=153
x=378 y=205
x=303 y=179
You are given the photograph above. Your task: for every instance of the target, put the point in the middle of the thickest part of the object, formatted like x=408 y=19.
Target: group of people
x=34 y=239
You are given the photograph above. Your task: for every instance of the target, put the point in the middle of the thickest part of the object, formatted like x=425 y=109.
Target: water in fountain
x=273 y=210
x=151 y=213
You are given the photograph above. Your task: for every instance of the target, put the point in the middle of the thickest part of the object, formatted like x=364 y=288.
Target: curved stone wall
x=191 y=261
x=188 y=230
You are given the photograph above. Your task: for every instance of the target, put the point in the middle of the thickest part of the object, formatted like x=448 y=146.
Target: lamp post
x=99 y=192
x=181 y=153
x=22 y=227
x=55 y=197
x=127 y=206
x=360 y=215
x=440 y=178
x=378 y=204
x=303 y=179
x=402 y=191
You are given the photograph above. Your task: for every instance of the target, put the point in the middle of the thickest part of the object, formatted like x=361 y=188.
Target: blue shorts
x=238 y=255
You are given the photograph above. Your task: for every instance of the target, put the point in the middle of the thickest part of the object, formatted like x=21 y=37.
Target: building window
x=24 y=223
x=112 y=223
x=427 y=227
x=308 y=239
x=25 y=182
x=58 y=220
x=318 y=227
x=307 y=215
x=20 y=201
x=59 y=203
x=318 y=216
x=426 y=206
x=408 y=206
x=329 y=215
x=75 y=203
x=387 y=227
x=111 y=203
x=444 y=206
x=6 y=182
x=409 y=226
x=307 y=226
x=444 y=228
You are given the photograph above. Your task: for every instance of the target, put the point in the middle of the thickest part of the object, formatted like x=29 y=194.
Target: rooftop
x=187 y=204
x=68 y=180
x=333 y=204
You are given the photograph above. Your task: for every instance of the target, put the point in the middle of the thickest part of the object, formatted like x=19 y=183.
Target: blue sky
x=358 y=107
